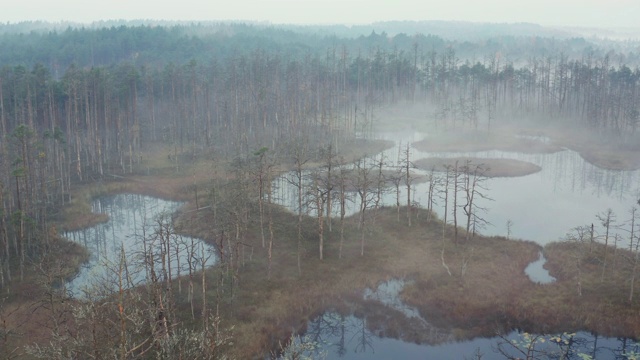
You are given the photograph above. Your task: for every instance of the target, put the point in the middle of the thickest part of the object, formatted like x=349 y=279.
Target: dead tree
x=343 y=183
x=297 y=179
x=328 y=182
x=433 y=181
x=363 y=186
x=260 y=176
x=408 y=179
x=607 y=219
x=319 y=196
x=473 y=187
x=455 y=176
x=579 y=236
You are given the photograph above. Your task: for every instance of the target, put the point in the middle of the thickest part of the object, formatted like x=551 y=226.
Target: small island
x=485 y=167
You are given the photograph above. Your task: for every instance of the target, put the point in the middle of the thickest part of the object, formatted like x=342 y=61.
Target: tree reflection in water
x=347 y=337
x=366 y=336
x=133 y=226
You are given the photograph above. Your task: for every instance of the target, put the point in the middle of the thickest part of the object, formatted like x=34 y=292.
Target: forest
x=212 y=114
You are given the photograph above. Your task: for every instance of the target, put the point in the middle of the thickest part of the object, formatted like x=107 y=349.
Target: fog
x=413 y=138
x=593 y=13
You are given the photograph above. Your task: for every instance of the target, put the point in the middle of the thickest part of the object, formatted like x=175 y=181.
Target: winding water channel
x=136 y=230
x=542 y=207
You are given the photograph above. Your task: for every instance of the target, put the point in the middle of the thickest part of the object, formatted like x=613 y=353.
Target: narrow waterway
x=537 y=273
x=138 y=230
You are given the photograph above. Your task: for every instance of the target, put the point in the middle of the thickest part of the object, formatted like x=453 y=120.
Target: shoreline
x=495 y=287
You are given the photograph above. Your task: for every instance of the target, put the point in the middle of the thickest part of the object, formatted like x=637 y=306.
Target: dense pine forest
x=80 y=104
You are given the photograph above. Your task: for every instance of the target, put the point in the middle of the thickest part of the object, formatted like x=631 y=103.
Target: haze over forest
x=215 y=114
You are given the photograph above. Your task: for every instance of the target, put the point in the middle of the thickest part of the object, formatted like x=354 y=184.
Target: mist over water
x=543 y=207
x=566 y=193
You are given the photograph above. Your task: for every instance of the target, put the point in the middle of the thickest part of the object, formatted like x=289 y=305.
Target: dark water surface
x=347 y=337
x=337 y=336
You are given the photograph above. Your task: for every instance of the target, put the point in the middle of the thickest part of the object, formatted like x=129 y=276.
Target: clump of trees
x=65 y=125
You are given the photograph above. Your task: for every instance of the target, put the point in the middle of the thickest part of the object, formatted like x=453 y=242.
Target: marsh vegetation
x=316 y=167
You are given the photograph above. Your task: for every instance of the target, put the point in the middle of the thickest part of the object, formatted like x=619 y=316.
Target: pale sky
x=592 y=13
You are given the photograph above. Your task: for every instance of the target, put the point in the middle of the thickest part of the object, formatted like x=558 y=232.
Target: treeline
x=150 y=43
x=95 y=122
x=588 y=93
x=59 y=127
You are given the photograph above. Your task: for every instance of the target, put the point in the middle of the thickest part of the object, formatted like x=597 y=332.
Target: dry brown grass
x=614 y=152
x=494 y=291
x=469 y=141
x=494 y=294
x=157 y=175
x=489 y=167
x=266 y=311
x=359 y=148
x=607 y=151
x=603 y=305
x=25 y=315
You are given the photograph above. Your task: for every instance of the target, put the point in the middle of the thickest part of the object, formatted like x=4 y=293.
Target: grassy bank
x=493 y=295
x=23 y=317
x=469 y=288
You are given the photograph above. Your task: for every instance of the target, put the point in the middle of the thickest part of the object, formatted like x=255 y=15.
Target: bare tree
x=579 y=237
x=300 y=158
x=408 y=179
x=607 y=219
x=633 y=250
x=343 y=183
x=9 y=329
x=445 y=197
x=433 y=181
x=260 y=174
x=473 y=186
x=509 y=228
x=455 y=176
x=270 y=224
x=363 y=185
x=328 y=182
x=380 y=183
x=319 y=198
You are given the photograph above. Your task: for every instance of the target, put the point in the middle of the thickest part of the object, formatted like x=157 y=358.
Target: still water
x=537 y=273
x=135 y=231
x=348 y=337
x=542 y=207
x=337 y=336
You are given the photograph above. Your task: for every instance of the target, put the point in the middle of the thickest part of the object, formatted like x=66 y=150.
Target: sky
x=583 y=13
